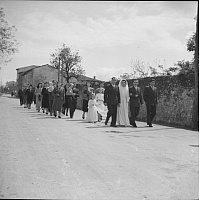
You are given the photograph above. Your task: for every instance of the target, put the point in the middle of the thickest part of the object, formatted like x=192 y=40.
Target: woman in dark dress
x=58 y=100
x=66 y=104
x=20 y=94
x=45 y=98
x=29 y=94
x=86 y=92
x=72 y=94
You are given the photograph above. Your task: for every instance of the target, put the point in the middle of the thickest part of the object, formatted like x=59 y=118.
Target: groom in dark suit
x=112 y=100
x=150 y=97
x=135 y=101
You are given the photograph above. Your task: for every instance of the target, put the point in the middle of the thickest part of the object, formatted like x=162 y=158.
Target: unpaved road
x=49 y=158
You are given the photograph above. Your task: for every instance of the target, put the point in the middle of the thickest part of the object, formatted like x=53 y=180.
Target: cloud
x=108 y=34
x=102 y=31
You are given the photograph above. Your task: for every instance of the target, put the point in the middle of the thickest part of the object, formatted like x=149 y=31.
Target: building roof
x=22 y=69
x=81 y=79
x=25 y=72
x=86 y=78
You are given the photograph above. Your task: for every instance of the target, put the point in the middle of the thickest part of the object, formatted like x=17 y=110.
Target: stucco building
x=34 y=74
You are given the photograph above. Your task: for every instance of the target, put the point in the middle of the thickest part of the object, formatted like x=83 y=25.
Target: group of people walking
x=124 y=102
x=52 y=97
x=119 y=102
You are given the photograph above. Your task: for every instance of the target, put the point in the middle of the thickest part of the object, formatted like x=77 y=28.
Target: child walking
x=92 y=115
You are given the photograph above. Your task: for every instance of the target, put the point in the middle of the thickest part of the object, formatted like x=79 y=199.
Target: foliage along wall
x=175 y=99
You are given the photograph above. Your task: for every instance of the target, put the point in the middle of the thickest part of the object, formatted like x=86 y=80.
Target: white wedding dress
x=122 y=110
x=92 y=115
x=101 y=108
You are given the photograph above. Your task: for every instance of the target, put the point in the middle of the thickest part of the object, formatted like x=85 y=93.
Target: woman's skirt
x=85 y=105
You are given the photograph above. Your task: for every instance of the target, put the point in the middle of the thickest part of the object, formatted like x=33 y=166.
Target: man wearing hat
x=150 y=98
x=112 y=100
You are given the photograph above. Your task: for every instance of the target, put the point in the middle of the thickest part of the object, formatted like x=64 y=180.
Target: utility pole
x=1 y=85
x=62 y=71
x=58 y=69
x=195 y=115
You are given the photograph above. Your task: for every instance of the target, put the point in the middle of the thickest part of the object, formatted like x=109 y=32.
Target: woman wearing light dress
x=122 y=109
x=102 y=111
x=50 y=92
x=38 y=94
x=92 y=115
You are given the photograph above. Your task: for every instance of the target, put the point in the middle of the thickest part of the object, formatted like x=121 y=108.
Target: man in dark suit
x=29 y=95
x=112 y=100
x=73 y=100
x=135 y=101
x=150 y=97
x=20 y=94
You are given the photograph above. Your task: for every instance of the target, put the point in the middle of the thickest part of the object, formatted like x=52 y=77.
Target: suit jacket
x=150 y=96
x=20 y=93
x=24 y=93
x=135 y=101
x=111 y=95
x=29 y=94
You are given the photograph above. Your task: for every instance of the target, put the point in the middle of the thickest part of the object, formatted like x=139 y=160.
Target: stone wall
x=175 y=99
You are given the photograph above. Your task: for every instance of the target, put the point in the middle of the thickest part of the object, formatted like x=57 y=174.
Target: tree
x=8 y=43
x=67 y=62
x=143 y=69
x=126 y=76
x=191 y=43
x=140 y=68
x=185 y=67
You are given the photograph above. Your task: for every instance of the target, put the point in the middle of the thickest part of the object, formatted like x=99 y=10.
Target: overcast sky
x=108 y=34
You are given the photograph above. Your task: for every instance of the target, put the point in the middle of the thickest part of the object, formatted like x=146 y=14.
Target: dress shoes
x=113 y=125
x=150 y=125
x=106 y=122
x=135 y=126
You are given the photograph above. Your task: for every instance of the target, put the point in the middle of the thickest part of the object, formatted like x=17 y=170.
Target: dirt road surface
x=49 y=158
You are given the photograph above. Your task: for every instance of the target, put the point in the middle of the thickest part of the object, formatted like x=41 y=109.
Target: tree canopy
x=8 y=43
x=68 y=62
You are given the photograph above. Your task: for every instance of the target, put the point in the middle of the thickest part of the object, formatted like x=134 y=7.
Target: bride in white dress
x=122 y=109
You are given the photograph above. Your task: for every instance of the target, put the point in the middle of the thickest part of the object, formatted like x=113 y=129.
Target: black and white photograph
x=99 y=100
